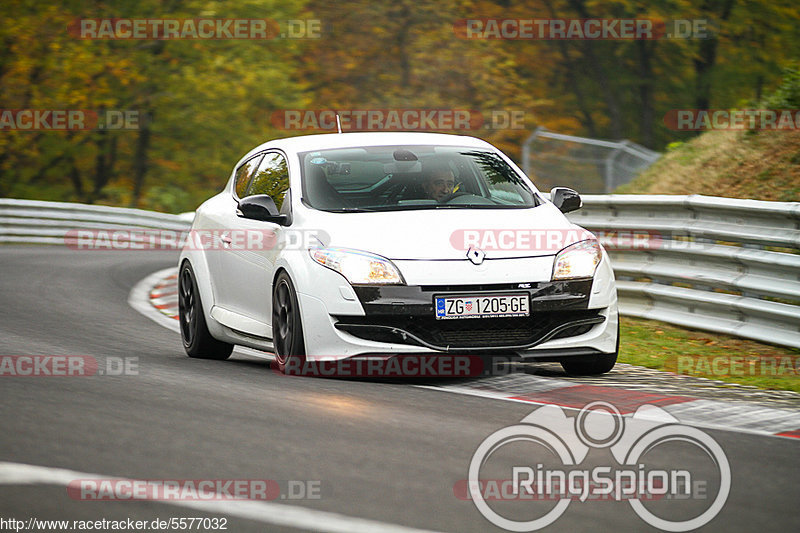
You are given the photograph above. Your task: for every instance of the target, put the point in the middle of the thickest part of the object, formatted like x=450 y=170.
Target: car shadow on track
x=474 y=368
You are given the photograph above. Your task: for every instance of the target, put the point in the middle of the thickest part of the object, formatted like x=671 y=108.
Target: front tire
x=287 y=326
x=197 y=340
x=591 y=365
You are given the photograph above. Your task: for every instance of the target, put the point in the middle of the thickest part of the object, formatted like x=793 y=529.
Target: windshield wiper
x=352 y=210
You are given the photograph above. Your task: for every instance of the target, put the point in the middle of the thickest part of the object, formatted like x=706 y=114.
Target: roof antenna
x=338 y=123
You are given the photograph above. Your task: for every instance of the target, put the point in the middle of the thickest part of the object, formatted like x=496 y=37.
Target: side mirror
x=261 y=207
x=565 y=199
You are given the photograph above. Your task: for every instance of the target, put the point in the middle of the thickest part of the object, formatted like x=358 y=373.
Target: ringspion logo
x=547 y=449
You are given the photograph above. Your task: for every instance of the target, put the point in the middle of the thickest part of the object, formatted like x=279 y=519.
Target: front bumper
x=339 y=319
x=406 y=315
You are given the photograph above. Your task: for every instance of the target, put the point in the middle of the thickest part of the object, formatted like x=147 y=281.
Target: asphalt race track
x=381 y=456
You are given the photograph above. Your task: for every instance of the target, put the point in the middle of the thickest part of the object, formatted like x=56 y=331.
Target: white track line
x=260 y=511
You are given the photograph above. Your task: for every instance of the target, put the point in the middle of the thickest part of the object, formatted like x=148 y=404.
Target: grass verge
x=663 y=346
x=761 y=165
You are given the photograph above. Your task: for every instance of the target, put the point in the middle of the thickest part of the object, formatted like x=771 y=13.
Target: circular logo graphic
x=598 y=425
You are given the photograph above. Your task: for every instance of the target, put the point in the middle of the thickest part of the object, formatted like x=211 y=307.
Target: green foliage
x=203 y=103
x=671 y=147
x=787 y=95
x=168 y=199
x=200 y=103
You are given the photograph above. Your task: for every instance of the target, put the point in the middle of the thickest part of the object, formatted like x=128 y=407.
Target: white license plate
x=507 y=305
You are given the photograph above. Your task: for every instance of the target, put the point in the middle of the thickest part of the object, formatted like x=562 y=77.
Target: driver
x=439 y=181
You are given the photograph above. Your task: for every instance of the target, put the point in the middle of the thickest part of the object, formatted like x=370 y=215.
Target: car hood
x=441 y=234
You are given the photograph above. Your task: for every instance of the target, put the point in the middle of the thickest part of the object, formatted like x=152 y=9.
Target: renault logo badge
x=475 y=255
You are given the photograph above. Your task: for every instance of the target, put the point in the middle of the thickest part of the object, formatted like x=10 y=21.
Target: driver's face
x=439 y=185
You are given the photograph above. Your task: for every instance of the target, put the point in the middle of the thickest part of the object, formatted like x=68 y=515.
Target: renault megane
x=380 y=244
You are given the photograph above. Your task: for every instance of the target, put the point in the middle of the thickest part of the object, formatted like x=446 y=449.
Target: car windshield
x=392 y=178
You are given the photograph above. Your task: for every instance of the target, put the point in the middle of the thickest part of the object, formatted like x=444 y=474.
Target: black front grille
x=485 y=336
x=573 y=331
x=472 y=333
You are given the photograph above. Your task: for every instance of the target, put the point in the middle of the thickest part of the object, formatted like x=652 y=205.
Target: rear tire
x=197 y=340
x=287 y=326
x=591 y=365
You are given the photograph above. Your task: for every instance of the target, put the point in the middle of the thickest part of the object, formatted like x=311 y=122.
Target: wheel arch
x=283 y=267
x=204 y=286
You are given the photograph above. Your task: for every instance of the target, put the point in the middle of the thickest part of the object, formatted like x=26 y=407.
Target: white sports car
x=380 y=244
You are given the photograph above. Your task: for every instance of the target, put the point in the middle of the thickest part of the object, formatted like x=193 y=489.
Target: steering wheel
x=452 y=195
x=394 y=191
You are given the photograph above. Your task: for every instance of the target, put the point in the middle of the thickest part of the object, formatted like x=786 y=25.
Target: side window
x=243 y=174
x=272 y=178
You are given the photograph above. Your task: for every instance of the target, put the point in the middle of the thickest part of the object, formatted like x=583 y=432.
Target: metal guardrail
x=36 y=222
x=717 y=264
x=590 y=165
x=723 y=265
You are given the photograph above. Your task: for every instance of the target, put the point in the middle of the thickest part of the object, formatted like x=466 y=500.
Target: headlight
x=579 y=260
x=357 y=266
